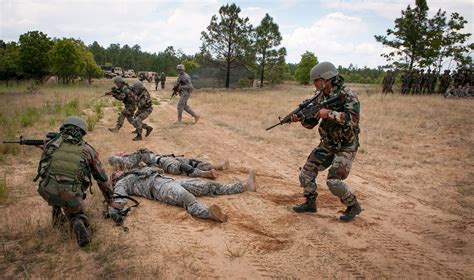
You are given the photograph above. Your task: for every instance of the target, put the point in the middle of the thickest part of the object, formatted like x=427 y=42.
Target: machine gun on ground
x=33 y=142
x=307 y=109
x=117 y=214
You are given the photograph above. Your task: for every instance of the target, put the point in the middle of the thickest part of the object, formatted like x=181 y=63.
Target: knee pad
x=306 y=179
x=188 y=199
x=186 y=168
x=337 y=187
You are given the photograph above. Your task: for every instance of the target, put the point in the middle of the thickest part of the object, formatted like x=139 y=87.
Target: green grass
x=3 y=189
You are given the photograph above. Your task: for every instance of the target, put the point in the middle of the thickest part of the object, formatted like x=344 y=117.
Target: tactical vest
x=63 y=181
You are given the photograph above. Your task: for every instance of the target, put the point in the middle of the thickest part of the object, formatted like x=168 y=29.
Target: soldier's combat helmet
x=323 y=70
x=180 y=67
x=138 y=86
x=118 y=79
x=75 y=121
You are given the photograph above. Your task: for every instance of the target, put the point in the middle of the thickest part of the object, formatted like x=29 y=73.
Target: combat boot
x=222 y=166
x=308 y=206
x=351 y=212
x=211 y=174
x=148 y=129
x=80 y=230
x=138 y=137
x=216 y=214
x=249 y=185
x=134 y=131
x=115 y=129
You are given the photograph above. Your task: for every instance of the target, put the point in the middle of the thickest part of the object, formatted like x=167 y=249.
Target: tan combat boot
x=211 y=174
x=216 y=214
x=222 y=166
x=250 y=185
x=196 y=118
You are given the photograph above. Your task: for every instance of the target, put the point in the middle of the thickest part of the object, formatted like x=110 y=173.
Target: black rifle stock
x=176 y=89
x=33 y=142
x=306 y=109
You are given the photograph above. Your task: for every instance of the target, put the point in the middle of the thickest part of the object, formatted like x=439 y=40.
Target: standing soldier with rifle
x=145 y=107
x=123 y=93
x=184 y=87
x=339 y=130
x=157 y=80
x=65 y=171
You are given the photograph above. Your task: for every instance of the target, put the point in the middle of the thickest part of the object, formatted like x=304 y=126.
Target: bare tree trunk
x=262 y=73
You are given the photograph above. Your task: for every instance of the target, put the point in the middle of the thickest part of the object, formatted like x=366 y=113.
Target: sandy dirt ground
x=415 y=224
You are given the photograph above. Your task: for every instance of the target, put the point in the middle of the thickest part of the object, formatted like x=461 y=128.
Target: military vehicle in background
x=146 y=75
x=118 y=71
x=108 y=71
x=130 y=73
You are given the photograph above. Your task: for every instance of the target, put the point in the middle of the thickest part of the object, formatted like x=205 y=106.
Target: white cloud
x=331 y=38
x=255 y=15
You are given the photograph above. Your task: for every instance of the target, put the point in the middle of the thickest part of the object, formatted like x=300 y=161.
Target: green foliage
x=9 y=61
x=276 y=68
x=91 y=122
x=267 y=36
x=33 y=54
x=3 y=188
x=227 y=39
x=71 y=108
x=155 y=101
x=29 y=116
x=65 y=60
x=190 y=64
x=308 y=60
x=419 y=41
x=364 y=75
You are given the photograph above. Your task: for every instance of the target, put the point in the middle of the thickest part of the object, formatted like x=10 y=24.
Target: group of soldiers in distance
x=418 y=82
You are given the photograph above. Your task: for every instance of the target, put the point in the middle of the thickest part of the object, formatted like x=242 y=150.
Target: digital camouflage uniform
x=157 y=80
x=169 y=163
x=162 y=80
x=416 y=81
x=338 y=146
x=405 y=88
x=185 y=90
x=145 y=107
x=65 y=170
x=388 y=82
x=125 y=94
x=149 y=183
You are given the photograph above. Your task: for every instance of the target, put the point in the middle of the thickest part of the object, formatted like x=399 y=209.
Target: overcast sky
x=338 y=31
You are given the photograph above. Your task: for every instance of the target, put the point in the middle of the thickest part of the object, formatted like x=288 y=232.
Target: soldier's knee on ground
x=186 y=168
x=337 y=187
x=188 y=199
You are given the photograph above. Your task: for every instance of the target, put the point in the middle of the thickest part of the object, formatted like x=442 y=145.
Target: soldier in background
x=444 y=82
x=426 y=82
x=145 y=107
x=388 y=82
x=416 y=79
x=458 y=78
x=66 y=169
x=157 y=80
x=162 y=80
x=434 y=80
x=149 y=182
x=405 y=82
x=124 y=94
x=185 y=88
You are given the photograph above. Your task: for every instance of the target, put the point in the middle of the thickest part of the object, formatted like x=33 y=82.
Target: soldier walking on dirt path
x=339 y=130
x=169 y=163
x=124 y=94
x=185 y=88
x=145 y=107
x=162 y=80
x=65 y=171
x=149 y=182
x=157 y=80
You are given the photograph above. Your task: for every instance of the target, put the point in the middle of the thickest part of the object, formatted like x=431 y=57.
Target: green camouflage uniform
x=125 y=94
x=66 y=169
x=145 y=107
x=162 y=80
x=149 y=183
x=170 y=164
x=405 y=82
x=185 y=89
x=338 y=146
x=157 y=80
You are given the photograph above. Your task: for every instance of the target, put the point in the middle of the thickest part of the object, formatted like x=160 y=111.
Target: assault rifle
x=33 y=142
x=114 y=90
x=117 y=214
x=176 y=89
x=306 y=109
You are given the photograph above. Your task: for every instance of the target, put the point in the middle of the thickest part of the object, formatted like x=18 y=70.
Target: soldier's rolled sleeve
x=350 y=115
x=99 y=174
